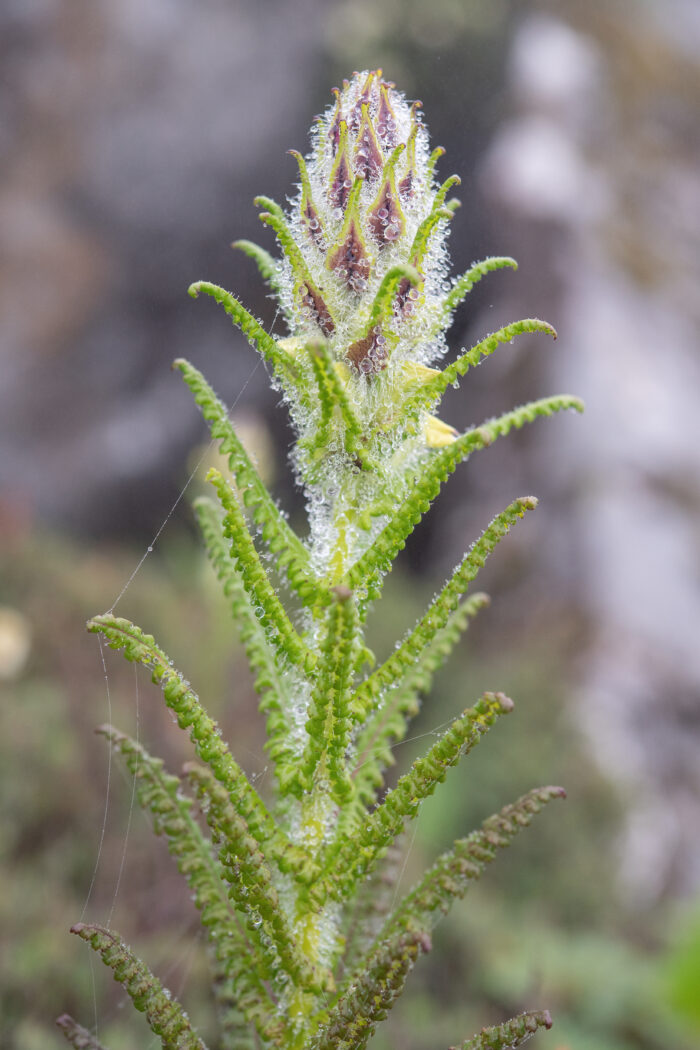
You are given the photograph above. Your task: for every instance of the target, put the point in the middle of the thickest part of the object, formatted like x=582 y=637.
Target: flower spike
x=309 y=945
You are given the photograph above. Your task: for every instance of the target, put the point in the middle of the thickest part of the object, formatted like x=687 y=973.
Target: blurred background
x=133 y=137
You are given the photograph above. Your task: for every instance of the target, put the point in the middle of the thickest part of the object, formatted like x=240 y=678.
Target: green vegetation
x=305 y=950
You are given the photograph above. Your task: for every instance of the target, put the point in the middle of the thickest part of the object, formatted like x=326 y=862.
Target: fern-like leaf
x=453 y=872
x=267 y=265
x=447 y=881
x=235 y=1033
x=409 y=654
x=464 y=284
x=368 y=999
x=400 y=703
x=141 y=648
x=383 y=303
x=281 y=363
x=334 y=401
x=250 y=881
x=351 y=860
x=159 y=793
x=78 y=1037
x=268 y=608
x=272 y=683
x=431 y=391
x=368 y=569
x=283 y=542
x=509 y=1035
x=328 y=725
x=164 y=1014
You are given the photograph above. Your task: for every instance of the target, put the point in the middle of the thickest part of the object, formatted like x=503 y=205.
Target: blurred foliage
x=682 y=967
x=548 y=925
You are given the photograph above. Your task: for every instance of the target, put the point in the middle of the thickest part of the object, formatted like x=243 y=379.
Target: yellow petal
x=438 y=434
x=291 y=345
x=417 y=373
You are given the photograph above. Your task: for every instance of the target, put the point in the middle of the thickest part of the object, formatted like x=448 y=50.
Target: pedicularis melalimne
x=306 y=951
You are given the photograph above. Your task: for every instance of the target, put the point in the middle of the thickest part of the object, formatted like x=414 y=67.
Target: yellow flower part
x=438 y=434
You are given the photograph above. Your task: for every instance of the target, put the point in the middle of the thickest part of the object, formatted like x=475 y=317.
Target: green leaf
x=374 y=900
x=422 y=237
x=446 y=881
x=291 y=554
x=263 y=597
x=452 y=873
x=272 y=682
x=367 y=571
x=250 y=882
x=328 y=725
x=351 y=860
x=281 y=363
x=184 y=702
x=274 y=216
x=78 y=1037
x=509 y=1035
x=235 y=1033
x=160 y=794
x=164 y=1014
x=400 y=702
x=464 y=284
x=383 y=304
x=408 y=655
x=351 y=1021
x=266 y=263
x=333 y=400
x=430 y=392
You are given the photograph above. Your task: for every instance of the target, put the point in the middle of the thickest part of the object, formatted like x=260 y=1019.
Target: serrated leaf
x=408 y=654
x=290 y=552
x=268 y=608
x=164 y=1013
x=367 y=571
x=509 y=1035
x=350 y=860
x=351 y=1021
x=328 y=724
x=250 y=882
x=183 y=701
x=160 y=794
x=334 y=400
x=429 y=393
x=267 y=265
x=464 y=284
x=78 y=1037
x=452 y=873
x=400 y=702
x=254 y=332
x=272 y=682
